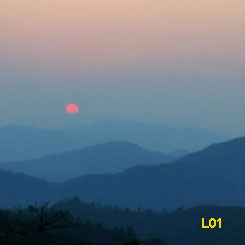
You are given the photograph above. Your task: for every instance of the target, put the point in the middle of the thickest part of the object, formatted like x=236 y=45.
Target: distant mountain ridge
x=111 y=157
x=159 y=137
x=24 y=143
x=215 y=176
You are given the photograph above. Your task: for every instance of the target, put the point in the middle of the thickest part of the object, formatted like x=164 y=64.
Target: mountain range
x=158 y=137
x=24 y=143
x=214 y=175
x=111 y=157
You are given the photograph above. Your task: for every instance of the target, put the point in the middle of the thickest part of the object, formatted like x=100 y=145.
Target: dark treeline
x=75 y=222
x=49 y=225
x=182 y=226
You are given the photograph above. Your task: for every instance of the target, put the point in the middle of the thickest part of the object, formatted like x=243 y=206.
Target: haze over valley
x=122 y=122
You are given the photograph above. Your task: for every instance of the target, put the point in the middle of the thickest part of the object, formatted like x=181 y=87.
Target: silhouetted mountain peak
x=214 y=175
x=37 y=142
x=108 y=157
x=226 y=152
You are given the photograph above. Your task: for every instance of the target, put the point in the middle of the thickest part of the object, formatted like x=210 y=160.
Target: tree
x=28 y=225
x=49 y=218
x=134 y=242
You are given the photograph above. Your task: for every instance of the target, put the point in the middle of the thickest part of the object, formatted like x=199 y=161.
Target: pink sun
x=72 y=109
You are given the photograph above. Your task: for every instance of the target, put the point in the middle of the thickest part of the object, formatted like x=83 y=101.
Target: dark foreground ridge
x=75 y=222
x=44 y=225
x=182 y=226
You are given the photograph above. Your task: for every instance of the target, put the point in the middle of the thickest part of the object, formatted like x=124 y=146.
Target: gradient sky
x=179 y=62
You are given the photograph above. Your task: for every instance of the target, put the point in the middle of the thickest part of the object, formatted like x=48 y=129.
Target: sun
x=72 y=109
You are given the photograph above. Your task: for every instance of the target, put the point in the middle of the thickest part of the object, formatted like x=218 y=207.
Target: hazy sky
x=179 y=62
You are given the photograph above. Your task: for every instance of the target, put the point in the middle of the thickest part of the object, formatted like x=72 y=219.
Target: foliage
x=182 y=226
x=48 y=225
